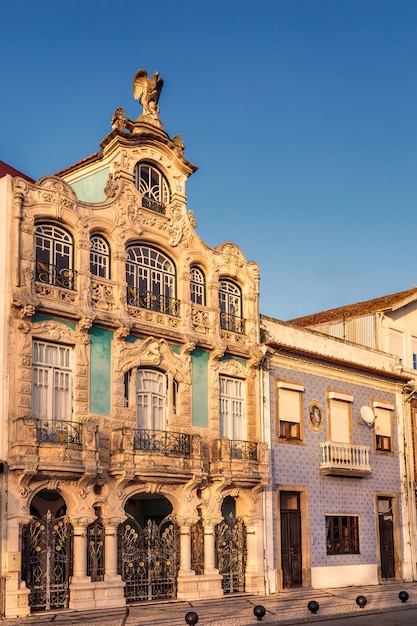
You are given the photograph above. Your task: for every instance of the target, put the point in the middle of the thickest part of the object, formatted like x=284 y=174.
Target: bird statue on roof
x=147 y=91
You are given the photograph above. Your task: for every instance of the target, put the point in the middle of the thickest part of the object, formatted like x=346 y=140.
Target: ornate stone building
x=132 y=441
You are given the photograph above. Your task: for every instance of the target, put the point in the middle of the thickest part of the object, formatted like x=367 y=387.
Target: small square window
x=342 y=534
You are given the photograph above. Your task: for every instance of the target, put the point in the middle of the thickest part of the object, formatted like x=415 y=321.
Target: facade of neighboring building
x=131 y=394
x=388 y=324
x=337 y=506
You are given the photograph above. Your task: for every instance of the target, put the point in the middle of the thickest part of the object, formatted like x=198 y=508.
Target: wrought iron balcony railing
x=232 y=322
x=55 y=275
x=163 y=441
x=344 y=459
x=244 y=450
x=153 y=205
x=59 y=431
x=153 y=301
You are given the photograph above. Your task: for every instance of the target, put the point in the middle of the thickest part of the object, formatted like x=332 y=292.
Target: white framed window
x=340 y=413
x=153 y=186
x=383 y=412
x=151 y=280
x=197 y=286
x=99 y=257
x=52 y=381
x=54 y=256
x=151 y=399
x=290 y=410
x=154 y=394
x=232 y=408
x=230 y=302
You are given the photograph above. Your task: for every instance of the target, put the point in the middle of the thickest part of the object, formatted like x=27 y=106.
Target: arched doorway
x=46 y=552
x=149 y=550
x=231 y=548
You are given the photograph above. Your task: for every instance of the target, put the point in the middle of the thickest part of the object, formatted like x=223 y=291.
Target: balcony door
x=151 y=399
x=232 y=409
x=52 y=383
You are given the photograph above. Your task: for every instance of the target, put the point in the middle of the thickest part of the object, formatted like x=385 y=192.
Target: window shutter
x=289 y=405
x=383 y=422
x=340 y=421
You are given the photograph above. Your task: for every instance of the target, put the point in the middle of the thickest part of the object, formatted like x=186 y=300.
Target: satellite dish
x=367 y=415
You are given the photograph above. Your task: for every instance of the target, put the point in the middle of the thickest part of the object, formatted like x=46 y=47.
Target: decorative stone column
x=254 y=579
x=212 y=578
x=185 y=549
x=187 y=581
x=17 y=594
x=81 y=587
x=110 y=591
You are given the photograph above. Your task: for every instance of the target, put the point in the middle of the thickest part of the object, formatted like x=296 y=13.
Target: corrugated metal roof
x=12 y=171
x=356 y=310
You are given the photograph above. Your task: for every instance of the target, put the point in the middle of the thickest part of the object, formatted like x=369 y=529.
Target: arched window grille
x=230 y=301
x=54 y=256
x=153 y=186
x=151 y=280
x=197 y=286
x=99 y=257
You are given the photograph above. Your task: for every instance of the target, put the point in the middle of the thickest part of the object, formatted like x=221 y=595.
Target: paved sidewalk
x=286 y=607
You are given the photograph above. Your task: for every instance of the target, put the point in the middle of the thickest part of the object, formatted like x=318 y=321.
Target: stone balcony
x=55 y=448
x=344 y=459
x=151 y=454
x=243 y=463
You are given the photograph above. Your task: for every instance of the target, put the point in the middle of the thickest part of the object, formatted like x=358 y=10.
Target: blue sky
x=301 y=115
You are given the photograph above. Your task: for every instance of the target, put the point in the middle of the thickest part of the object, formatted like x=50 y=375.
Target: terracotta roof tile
x=355 y=310
x=12 y=171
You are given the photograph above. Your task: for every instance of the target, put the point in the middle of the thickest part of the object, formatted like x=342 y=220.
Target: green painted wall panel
x=91 y=188
x=100 y=370
x=199 y=374
x=47 y=318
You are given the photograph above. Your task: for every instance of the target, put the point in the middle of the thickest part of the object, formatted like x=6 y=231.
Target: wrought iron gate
x=231 y=553
x=149 y=559
x=47 y=561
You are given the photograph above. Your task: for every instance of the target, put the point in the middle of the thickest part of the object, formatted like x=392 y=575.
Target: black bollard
x=361 y=601
x=191 y=618
x=259 y=612
x=313 y=606
x=403 y=596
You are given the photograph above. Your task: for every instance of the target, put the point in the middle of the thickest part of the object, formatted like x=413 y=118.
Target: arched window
x=230 y=301
x=154 y=394
x=150 y=276
x=99 y=257
x=151 y=399
x=54 y=256
x=153 y=186
x=197 y=286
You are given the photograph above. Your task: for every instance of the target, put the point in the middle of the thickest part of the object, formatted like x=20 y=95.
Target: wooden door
x=291 y=553
x=386 y=542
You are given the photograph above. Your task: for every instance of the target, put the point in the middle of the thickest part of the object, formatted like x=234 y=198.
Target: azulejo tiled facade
x=153 y=443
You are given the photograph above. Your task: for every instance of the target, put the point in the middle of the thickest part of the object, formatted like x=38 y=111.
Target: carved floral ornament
x=153 y=352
